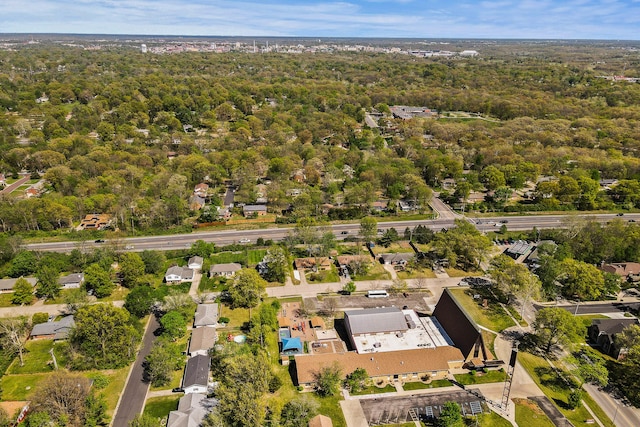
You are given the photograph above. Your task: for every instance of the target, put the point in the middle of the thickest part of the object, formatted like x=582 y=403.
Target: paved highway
x=225 y=237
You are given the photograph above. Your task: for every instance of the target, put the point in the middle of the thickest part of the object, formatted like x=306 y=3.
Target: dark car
x=619 y=214
x=344 y=232
x=99 y=241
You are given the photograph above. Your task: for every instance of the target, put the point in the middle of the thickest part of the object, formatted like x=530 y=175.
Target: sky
x=502 y=19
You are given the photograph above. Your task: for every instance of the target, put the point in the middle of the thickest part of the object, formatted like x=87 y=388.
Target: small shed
x=320 y=421
x=317 y=323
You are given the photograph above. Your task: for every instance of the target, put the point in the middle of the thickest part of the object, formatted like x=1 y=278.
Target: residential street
x=132 y=400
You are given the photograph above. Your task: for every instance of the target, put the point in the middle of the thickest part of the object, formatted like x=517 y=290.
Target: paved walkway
x=12 y=187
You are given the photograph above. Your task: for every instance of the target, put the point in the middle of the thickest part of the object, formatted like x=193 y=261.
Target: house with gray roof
x=398 y=261
x=254 y=210
x=53 y=330
x=196 y=374
x=177 y=274
x=206 y=315
x=71 y=281
x=6 y=285
x=202 y=340
x=195 y=263
x=226 y=270
x=372 y=321
x=192 y=408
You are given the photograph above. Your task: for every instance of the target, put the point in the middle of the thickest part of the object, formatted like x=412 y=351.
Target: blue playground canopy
x=291 y=345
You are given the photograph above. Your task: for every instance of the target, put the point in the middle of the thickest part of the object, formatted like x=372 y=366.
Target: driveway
x=132 y=400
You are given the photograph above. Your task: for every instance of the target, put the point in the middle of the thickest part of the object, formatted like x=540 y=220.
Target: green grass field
x=492 y=419
x=492 y=317
x=5 y=300
x=529 y=414
x=159 y=407
x=376 y=390
x=20 y=387
x=37 y=358
x=558 y=391
x=481 y=378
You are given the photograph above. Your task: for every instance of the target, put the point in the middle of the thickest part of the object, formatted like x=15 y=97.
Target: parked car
x=244 y=240
x=99 y=241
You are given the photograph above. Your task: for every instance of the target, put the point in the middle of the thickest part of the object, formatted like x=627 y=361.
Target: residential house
x=95 y=222
x=627 y=270
x=346 y=263
x=399 y=261
x=53 y=330
x=405 y=112
x=201 y=190
x=298 y=176
x=206 y=315
x=195 y=263
x=202 y=340
x=34 y=190
x=226 y=270
x=312 y=264
x=71 y=281
x=177 y=274
x=6 y=285
x=192 y=409
x=604 y=333
x=196 y=374
x=3 y=180
x=407 y=206
x=254 y=210
x=196 y=202
x=224 y=213
x=380 y=205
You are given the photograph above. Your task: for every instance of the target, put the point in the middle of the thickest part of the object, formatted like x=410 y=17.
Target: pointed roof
x=291 y=344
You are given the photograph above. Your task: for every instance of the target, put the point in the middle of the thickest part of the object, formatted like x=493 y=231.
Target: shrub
x=39 y=318
x=223 y=320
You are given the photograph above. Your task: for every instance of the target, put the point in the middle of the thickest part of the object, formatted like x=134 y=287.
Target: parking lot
x=380 y=411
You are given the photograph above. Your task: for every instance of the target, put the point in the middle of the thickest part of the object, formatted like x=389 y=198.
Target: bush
x=39 y=318
x=223 y=320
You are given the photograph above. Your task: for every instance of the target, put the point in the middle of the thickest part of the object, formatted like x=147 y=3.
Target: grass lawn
x=529 y=413
x=557 y=390
x=115 y=387
x=454 y=272
x=416 y=273
x=237 y=317
x=255 y=256
x=118 y=294
x=493 y=420
x=37 y=358
x=587 y=318
x=176 y=380
x=376 y=390
x=159 y=407
x=493 y=317
x=415 y=386
x=328 y=276
x=481 y=378
x=330 y=407
x=376 y=272
x=398 y=247
x=20 y=387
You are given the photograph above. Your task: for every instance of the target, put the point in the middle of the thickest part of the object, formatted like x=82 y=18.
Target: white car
x=245 y=240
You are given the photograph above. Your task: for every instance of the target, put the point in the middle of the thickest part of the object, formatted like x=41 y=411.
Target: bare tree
x=330 y=305
x=13 y=333
x=420 y=282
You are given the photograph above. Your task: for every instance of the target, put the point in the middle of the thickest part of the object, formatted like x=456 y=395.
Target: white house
x=178 y=274
x=206 y=315
x=71 y=281
x=226 y=270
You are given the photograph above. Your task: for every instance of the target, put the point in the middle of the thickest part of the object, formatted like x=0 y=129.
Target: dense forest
x=117 y=131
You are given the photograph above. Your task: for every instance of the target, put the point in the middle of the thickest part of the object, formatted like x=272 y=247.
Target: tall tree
x=140 y=300
x=368 y=228
x=164 y=358
x=22 y=292
x=63 y=396
x=276 y=263
x=298 y=412
x=515 y=280
x=98 y=281
x=132 y=268
x=47 y=285
x=327 y=380
x=450 y=416
x=103 y=337
x=556 y=325
x=247 y=288
x=13 y=333
x=174 y=325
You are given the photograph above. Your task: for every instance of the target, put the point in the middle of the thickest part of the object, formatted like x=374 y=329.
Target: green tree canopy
x=556 y=325
x=22 y=292
x=132 y=268
x=98 y=281
x=103 y=337
x=247 y=288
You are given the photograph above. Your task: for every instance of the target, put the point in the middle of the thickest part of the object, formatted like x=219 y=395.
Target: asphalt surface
x=132 y=399
x=595 y=308
x=225 y=237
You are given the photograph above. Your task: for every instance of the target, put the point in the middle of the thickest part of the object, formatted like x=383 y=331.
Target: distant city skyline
x=508 y=19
